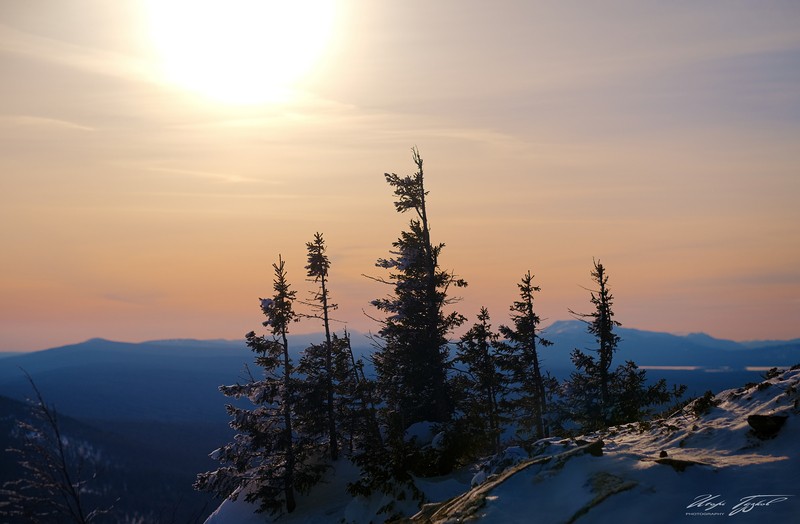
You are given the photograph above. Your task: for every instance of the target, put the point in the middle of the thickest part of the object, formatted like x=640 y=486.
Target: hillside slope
x=694 y=464
x=706 y=464
x=119 y=472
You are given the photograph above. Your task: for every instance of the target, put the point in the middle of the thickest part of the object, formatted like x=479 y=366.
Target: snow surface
x=328 y=502
x=686 y=468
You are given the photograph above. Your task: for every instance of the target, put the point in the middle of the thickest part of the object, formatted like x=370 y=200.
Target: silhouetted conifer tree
x=412 y=356
x=334 y=397
x=356 y=407
x=267 y=461
x=596 y=397
x=591 y=383
x=322 y=394
x=411 y=365
x=528 y=400
x=635 y=400
x=317 y=271
x=480 y=385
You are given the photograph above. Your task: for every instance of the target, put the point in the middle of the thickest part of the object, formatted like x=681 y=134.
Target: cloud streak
x=136 y=299
x=72 y=55
x=228 y=178
x=30 y=121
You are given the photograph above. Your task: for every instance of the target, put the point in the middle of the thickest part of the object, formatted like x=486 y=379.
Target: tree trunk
x=334 y=445
x=287 y=419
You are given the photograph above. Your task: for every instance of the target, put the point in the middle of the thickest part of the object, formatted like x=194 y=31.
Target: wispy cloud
x=633 y=61
x=99 y=61
x=31 y=121
x=206 y=175
x=137 y=299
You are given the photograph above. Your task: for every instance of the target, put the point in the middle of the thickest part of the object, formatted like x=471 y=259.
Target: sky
x=157 y=157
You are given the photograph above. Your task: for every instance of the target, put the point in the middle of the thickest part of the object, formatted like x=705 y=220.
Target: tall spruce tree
x=521 y=360
x=267 y=461
x=412 y=363
x=317 y=270
x=481 y=385
x=592 y=380
x=595 y=396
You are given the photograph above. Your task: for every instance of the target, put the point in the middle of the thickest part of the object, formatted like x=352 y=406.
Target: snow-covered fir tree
x=412 y=355
x=268 y=461
x=411 y=364
x=320 y=360
x=333 y=403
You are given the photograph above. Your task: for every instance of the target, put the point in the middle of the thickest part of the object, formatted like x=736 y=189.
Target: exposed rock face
x=594 y=449
x=677 y=464
x=766 y=426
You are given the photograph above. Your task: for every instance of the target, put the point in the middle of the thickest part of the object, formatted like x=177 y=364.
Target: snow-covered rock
x=421 y=432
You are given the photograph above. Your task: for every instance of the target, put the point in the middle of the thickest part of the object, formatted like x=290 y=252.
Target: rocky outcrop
x=766 y=426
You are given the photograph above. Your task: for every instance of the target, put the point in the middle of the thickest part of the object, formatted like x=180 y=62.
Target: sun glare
x=239 y=51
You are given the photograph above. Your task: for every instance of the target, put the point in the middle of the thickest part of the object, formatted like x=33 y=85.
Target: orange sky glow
x=157 y=157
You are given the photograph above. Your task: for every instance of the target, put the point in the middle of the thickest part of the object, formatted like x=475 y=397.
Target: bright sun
x=239 y=51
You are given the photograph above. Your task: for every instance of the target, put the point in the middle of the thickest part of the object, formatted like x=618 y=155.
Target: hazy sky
x=154 y=163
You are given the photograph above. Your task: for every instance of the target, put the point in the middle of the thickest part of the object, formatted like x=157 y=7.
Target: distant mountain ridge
x=165 y=393
x=178 y=379
x=651 y=348
x=165 y=380
x=125 y=467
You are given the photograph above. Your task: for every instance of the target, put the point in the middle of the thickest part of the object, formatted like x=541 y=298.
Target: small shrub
x=703 y=405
